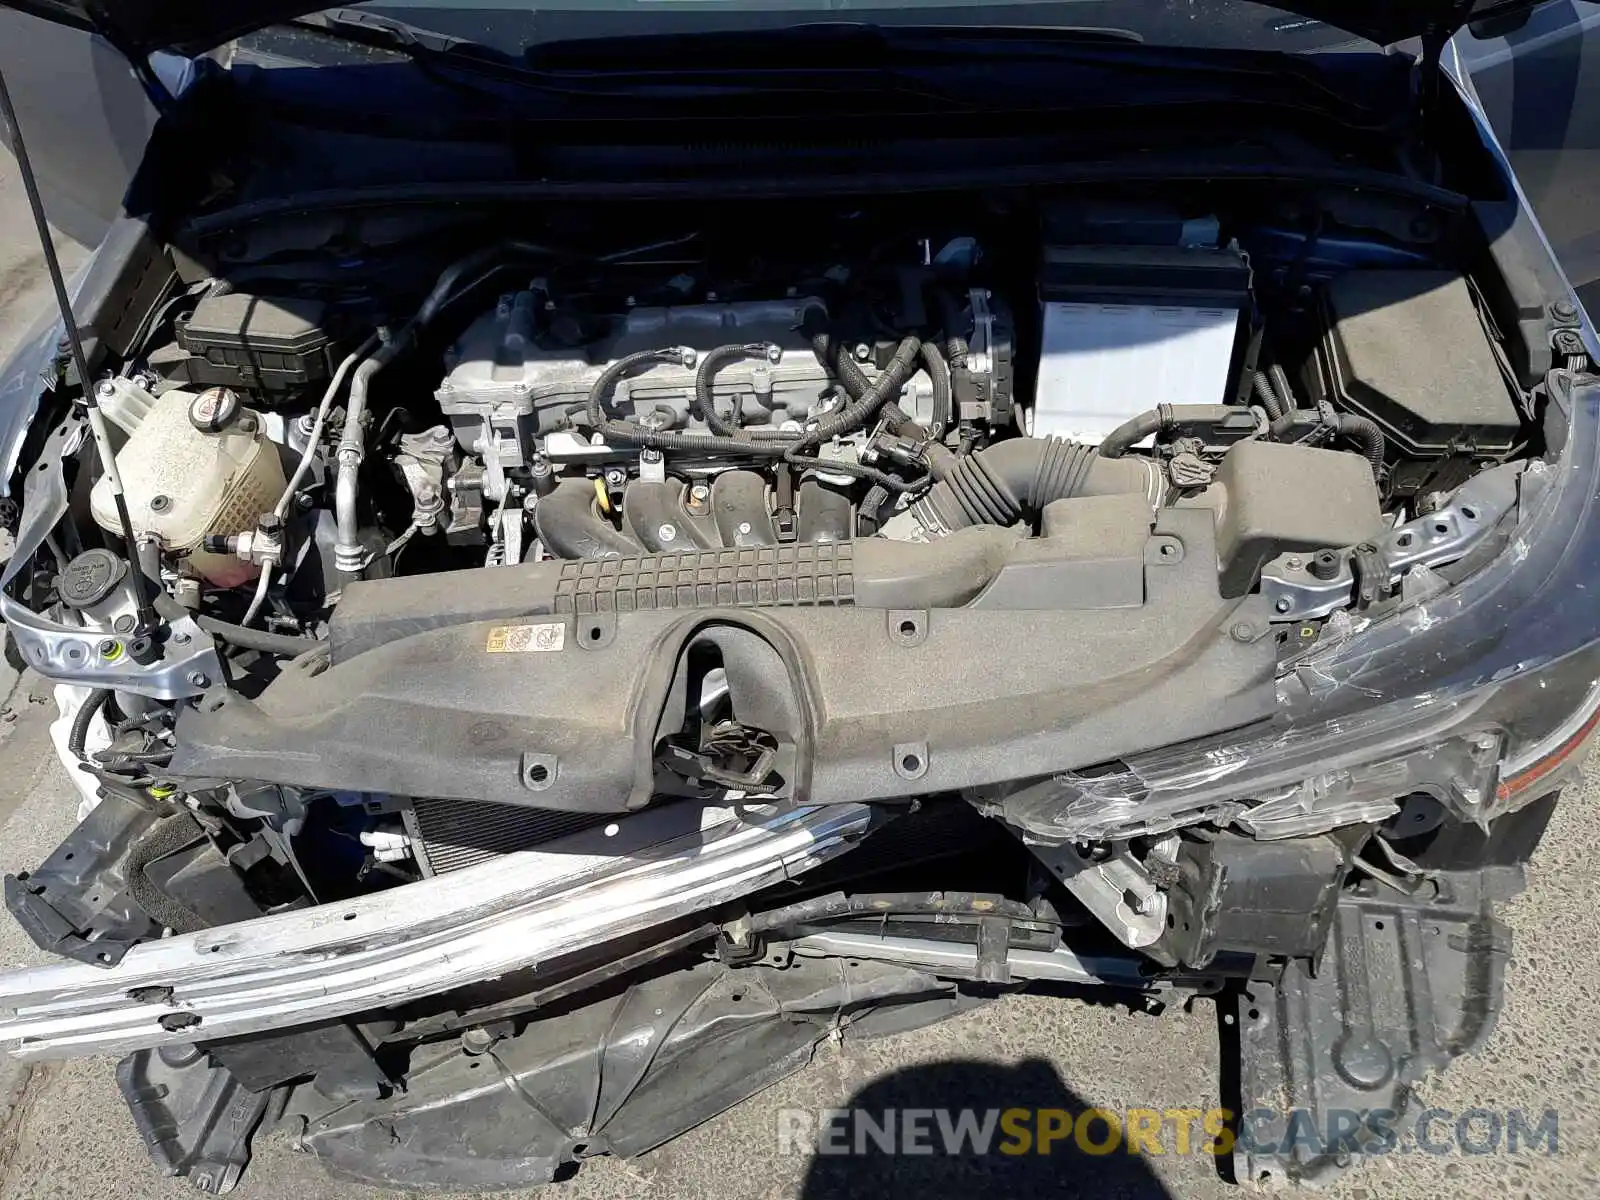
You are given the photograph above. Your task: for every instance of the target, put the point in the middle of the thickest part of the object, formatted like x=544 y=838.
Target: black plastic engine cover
x=564 y=710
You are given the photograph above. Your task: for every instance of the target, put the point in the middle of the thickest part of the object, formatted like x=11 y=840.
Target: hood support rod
x=147 y=621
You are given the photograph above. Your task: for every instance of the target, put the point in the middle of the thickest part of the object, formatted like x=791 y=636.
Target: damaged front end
x=566 y=703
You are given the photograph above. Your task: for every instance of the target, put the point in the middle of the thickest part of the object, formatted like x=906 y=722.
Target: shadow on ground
x=978 y=1087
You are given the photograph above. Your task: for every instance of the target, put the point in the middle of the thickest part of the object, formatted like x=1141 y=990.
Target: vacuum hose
x=710 y=363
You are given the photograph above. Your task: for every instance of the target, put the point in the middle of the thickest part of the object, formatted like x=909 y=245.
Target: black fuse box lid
x=1408 y=349
x=241 y=340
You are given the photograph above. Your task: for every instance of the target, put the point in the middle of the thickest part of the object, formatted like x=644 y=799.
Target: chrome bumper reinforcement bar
x=520 y=911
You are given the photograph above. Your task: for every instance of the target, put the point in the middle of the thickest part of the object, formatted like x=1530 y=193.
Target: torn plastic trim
x=1480 y=751
x=519 y=911
x=1334 y=771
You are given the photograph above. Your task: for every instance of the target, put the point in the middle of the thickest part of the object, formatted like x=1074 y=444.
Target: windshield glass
x=511 y=27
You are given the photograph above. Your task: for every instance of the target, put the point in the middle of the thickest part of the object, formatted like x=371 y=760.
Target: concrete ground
x=64 y=1131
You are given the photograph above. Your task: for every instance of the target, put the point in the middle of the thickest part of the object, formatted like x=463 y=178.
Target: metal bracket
x=187 y=666
x=1117 y=890
x=1295 y=593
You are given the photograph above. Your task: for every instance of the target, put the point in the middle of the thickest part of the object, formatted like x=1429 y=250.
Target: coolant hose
x=1147 y=424
x=939 y=372
x=570 y=527
x=1010 y=479
x=349 y=555
x=830 y=354
x=956 y=347
x=486 y=259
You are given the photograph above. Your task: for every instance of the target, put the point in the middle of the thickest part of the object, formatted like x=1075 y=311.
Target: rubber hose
x=78 y=734
x=1280 y=384
x=939 y=373
x=831 y=354
x=492 y=257
x=1161 y=418
x=710 y=364
x=856 y=471
x=570 y=527
x=956 y=348
x=1268 y=397
x=1282 y=425
x=941 y=459
x=1365 y=434
x=1130 y=433
x=999 y=485
x=258 y=639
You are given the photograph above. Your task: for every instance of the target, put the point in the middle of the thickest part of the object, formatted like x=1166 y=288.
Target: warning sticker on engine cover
x=521 y=639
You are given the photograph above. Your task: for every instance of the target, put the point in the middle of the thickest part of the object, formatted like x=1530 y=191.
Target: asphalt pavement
x=65 y=1133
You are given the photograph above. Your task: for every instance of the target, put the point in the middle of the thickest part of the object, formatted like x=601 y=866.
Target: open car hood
x=139 y=26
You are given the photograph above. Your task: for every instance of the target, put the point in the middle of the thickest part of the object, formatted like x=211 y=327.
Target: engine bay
x=1102 y=412
x=695 y=394
x=579 y=578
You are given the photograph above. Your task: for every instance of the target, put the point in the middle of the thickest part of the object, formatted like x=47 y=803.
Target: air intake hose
x=1017 y=478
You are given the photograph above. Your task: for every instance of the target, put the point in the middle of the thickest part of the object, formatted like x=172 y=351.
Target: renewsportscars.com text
x=1153 y=1131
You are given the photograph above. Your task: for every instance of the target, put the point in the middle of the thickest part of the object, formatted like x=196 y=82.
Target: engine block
x=503 y=389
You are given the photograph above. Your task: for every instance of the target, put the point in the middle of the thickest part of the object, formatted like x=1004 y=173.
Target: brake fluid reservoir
x=195 y=464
